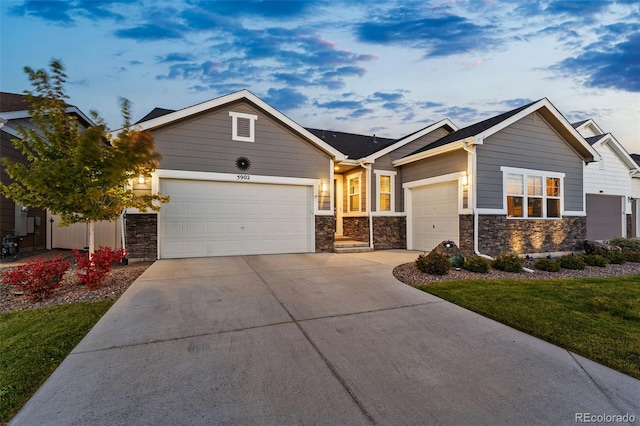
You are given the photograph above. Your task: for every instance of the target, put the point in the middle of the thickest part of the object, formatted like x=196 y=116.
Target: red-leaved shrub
x=92 y=272
x=38 y=278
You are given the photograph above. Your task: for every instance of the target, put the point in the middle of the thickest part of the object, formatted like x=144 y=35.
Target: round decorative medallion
x=243 y=163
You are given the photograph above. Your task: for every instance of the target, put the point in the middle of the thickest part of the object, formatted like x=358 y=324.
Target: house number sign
x=243 y=177
x=243 y=164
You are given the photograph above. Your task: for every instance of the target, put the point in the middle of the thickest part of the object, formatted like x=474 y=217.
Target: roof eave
x=450 y=147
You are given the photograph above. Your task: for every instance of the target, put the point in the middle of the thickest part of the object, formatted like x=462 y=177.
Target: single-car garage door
x=207 y=218
x=434 y=215
x=604 y=216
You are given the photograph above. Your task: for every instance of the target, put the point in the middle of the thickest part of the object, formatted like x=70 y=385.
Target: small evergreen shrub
x=476 y=264
x=433 y=263
x=572 y=262
x=457 y=260
x=595 y=260
x=615 y=257
x=631 y=256
x=548 y=265
x=93 y=272
x=627 y=244
x=37 y=278
x=508 y=263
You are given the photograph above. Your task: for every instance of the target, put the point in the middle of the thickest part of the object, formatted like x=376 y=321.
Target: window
x=353 y=183
x=385 y=190
x=533 y=194
x=242 y=126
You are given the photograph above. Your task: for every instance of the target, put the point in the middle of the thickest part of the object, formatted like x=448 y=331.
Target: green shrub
x=627 y=244
x=631 y=256
x=476 y=264
x=457 y=260
x=615 y=257
x=433 y=263
x=595 y=260
x=508 y=263
x=572 y=262
x=549 y=265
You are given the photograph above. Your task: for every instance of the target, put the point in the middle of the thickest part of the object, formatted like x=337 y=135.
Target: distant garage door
x=434 y=215
x=227 y=218
x=604 y=216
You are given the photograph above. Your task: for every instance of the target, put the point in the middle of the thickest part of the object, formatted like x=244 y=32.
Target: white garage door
x=434 y=215
x=228 y=218
x=604 y=216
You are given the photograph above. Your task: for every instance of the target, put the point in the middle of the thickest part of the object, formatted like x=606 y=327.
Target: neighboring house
x=635 y=195
x=245 y=179
x=608 y=185
x=35 y=229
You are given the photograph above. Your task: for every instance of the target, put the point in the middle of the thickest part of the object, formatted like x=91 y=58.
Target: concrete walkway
x=313 y=339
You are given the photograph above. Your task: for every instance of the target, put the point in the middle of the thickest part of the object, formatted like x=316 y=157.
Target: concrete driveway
x=313 y=339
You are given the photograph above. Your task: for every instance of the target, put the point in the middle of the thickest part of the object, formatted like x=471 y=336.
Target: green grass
x=34 y=342
x=598 y=318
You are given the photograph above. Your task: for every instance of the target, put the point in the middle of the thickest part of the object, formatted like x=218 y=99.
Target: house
x=608 y=185
x=31 y=228
x=511 y=183
x=245 y=179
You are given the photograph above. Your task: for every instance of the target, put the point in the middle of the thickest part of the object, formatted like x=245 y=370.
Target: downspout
x=472 y=150
x=123 y=215
x=367 y=167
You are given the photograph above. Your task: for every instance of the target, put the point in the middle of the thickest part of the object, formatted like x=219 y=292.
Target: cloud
x=516 y=103
x=360 y=112
x=273 y=9
x=285 y=99
x=352 y=105
x=429 y=104
x=174 y=57
x=387 y=97
x=149 y=32
x=461 y=114
x=603 y=65
x=442 y=34
x=63 y=12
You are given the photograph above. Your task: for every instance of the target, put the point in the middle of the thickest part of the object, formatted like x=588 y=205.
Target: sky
x=387 y=68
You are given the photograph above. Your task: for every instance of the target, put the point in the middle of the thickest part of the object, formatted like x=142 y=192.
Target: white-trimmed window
x=353 y=187
x=243 y=126
x=533 y=194
x=385 y=190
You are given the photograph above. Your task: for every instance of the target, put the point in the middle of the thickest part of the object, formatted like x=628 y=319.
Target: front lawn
x=598 y=318
x=34 y=342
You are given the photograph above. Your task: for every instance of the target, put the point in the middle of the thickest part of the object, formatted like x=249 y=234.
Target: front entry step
x=345 y=245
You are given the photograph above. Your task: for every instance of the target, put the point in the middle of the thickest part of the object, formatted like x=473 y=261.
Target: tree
x=82 y=174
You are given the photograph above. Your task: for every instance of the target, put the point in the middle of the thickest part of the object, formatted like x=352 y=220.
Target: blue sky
x=386 y=68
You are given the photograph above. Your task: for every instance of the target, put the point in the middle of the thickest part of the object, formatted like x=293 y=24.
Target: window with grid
x=533 y=195
x=353 y=183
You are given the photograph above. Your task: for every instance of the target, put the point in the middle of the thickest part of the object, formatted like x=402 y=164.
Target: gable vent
x=244 y=127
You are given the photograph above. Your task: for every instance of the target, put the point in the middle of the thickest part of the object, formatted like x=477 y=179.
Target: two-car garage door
x=207 y=218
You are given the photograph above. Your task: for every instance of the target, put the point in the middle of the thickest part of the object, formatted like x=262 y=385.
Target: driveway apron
x=313 y=339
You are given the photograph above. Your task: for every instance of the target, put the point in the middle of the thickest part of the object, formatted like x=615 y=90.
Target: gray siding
x=530 y=143
x=203 y=143
x=385 y=163
x=435 y=166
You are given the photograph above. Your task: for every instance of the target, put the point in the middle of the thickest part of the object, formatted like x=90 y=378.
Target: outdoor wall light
x=141 y=180
x=464 y=180
x=324 y=186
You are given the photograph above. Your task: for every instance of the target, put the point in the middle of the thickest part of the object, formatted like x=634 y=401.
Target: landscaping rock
x=450 y=251
x=594 y=247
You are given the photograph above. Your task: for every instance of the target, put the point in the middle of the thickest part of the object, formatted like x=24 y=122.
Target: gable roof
x=476 y=133
x=14 y=106
x=155 y=113
x=583 y=125
x=617 y=148
x=354 y=146
x=175 y=116
x=445 y=124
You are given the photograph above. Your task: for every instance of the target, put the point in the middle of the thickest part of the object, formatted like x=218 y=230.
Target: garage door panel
x=434 y=212
x=225 y=218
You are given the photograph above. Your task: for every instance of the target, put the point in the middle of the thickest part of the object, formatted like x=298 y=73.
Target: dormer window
x=243 y=126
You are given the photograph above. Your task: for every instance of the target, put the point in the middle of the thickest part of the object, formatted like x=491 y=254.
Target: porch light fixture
x=324 y=186
x=141 y=180
x=464 y=180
